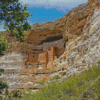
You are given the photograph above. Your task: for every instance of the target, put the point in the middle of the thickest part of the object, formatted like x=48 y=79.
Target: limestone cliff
x=68 y=45
x=70 y=25
x=84 y=50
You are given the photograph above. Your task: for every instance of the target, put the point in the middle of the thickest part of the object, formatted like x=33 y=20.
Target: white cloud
x=59 y=4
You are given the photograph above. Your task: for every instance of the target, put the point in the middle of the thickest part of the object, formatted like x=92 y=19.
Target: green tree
x=3 y=45
x=3 y=85
x=15 y=17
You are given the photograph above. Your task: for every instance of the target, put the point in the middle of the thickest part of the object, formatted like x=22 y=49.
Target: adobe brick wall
x=46 y=58
x=50 y=52
x=51 y=55
x=59 y=51
x=33 y=58
x=43 y=58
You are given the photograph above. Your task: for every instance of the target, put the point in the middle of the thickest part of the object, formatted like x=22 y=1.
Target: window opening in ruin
x=64 y=45
x=49 y=49
x=55 y=49
x=62 y=69
x=33 y=56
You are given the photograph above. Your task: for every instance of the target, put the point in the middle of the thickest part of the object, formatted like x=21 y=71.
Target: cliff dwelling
x=51 y=49
x=39 y=56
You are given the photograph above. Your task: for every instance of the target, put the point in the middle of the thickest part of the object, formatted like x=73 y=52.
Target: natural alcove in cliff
x=51 y=39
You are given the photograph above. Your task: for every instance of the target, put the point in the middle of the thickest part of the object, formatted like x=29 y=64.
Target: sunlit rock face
x=69 y=25
x=84 y=50
x=11 y=62
x=66 y=46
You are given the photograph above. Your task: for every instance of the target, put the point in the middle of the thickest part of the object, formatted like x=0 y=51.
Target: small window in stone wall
x=33 y=56
x=49 y=49
x=55 y=49
x=64 y=45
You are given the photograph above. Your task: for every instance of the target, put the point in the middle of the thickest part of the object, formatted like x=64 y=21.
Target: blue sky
x=41 y=14
x=48 y=10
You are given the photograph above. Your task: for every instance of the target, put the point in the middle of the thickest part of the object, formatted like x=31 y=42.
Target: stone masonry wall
x=51 y=56
x=59 y=51
x=33 y=58
x=43 y=58
x=51 y=51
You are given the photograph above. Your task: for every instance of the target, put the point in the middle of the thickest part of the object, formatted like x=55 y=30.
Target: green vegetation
x=3 y=85
x=3 y=45
x=15 y=17
x=42 y=82
x=54 y=77
x=85 y=86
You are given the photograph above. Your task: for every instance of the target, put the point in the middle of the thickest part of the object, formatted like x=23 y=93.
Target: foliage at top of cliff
x=15 y=17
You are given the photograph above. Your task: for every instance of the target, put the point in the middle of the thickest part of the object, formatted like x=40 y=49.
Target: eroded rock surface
x=63 y=47
x=84 y=51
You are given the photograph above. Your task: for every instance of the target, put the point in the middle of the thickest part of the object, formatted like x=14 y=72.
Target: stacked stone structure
x=51 y=51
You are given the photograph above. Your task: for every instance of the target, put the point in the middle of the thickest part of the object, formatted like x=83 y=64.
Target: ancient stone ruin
x=41 y=57
x=51 y=51
x=38 y=58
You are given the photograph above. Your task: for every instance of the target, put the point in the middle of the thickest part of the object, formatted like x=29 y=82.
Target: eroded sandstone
x=66 y=46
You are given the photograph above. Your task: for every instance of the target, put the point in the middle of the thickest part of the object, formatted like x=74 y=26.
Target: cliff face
x=68 y=45
x=83 y=51
x=69 y=25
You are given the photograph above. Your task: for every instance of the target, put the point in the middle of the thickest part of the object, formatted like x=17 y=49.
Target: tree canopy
x=15 y=17
x=3 y=45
